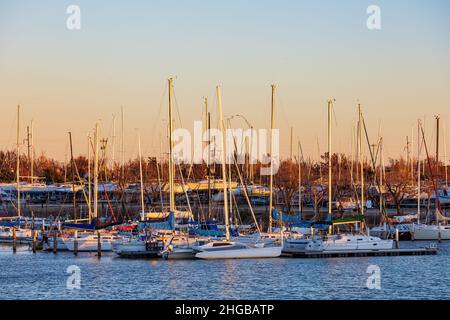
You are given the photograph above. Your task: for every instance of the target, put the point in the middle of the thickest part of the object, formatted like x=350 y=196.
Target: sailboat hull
x=385 y=232
x=247 y=253
x=88 y=245
x=431 y=232
x=294 y=246
x=179 y=254
x=22 y=236
x=49 y=246
x=349 y=243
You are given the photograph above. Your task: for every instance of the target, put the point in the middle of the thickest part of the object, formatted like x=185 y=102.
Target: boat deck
x=362 y=253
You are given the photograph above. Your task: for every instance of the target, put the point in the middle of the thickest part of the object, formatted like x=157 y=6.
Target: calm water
x=25 y=275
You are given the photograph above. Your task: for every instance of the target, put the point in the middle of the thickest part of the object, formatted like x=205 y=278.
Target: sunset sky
x=66 y=80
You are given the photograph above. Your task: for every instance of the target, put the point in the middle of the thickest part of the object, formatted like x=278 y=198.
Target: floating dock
x=148 y=254
x=363 y=253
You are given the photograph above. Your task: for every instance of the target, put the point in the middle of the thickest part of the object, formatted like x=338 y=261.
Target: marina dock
x=154 y=254
x=368 y=253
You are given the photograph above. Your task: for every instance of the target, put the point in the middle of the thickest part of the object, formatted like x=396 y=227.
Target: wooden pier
x=362 y=253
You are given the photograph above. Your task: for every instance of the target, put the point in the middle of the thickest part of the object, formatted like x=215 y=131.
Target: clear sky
x=123 y=54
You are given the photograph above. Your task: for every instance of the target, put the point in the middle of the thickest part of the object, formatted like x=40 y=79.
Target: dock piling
x=397 y=239
x=439 y=234
x=99 y=245
x=34 y=241
x=75 y=244
x=14 y=239
x=55 y=242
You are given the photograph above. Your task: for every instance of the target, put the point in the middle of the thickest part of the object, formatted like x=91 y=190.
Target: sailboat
x=228 y=249
x=297 y=244
x=432 y=231
x=401 y=225
x=344 y=241
x=89 y=241
x=9 y=230
x=150 y=245
x=12 y=229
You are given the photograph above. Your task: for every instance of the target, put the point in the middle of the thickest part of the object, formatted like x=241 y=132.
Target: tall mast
x=96 y=143
x=408 y=152
x=141 y=178
x=300 y=206
x=229 y=178
x=113 y=149
x=122 y=162
x=89 y=180
x=208 y=146
x=171 y=166
x=381 y=175
x=224 y=173
x=72 y=166
x=272 y=120
x=437 y=144
x=352 y=153
x=250 y=155
x=412 y=155
x=330 y=194
x=205 y=102
x=209 y=164
x=445 y=157
x=419 y=149
x=361 y=158
x=30 y=150
x=291 y=141
x=18 y=161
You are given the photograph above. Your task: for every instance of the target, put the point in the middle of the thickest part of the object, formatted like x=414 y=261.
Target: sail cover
x=286 y=218
x=159 y=224
x=79 y=226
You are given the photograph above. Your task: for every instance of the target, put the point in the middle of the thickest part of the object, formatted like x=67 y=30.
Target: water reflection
x=25 y=275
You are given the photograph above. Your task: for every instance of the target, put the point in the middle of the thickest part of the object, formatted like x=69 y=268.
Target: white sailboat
x=89 y=241
x=8 y=233
x=297 y=243
x=134 y=247
x=348 y=242
x=48 y=244
x=432 y=231
x=236 y=250
x=129 y=246
x=230 y=249
x=22 y=235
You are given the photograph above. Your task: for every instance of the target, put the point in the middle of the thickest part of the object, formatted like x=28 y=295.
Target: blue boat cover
x=296 y=220
x=286 y=218
x=168 y=224
x=79 y=226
